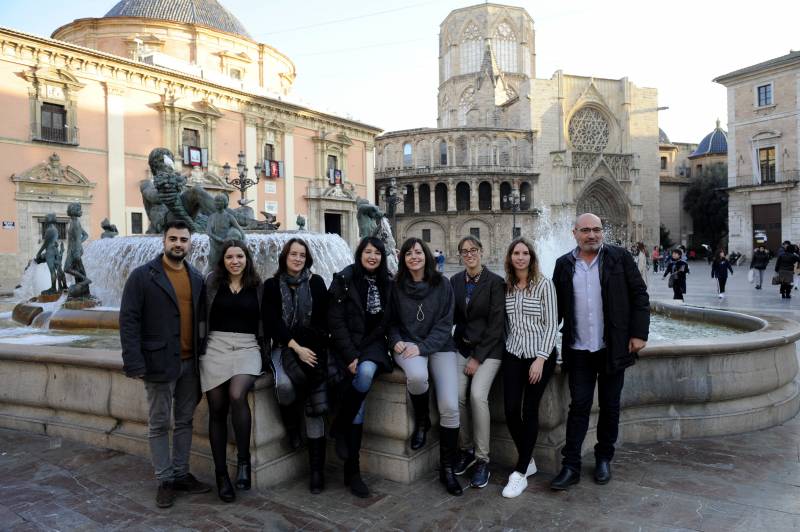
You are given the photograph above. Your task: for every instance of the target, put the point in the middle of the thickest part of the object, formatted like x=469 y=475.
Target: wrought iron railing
x=61 y=135
x=785 y=176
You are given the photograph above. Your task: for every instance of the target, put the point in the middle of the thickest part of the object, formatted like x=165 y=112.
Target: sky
x=377 y=62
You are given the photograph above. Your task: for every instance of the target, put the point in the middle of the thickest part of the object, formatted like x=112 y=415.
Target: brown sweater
x=179 y=278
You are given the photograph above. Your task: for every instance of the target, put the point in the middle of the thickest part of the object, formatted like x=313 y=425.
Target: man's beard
x=177 y=258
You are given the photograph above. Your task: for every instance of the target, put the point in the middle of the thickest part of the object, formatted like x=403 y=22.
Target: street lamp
x=515 y=198
x=242 y=182
x=391 y=204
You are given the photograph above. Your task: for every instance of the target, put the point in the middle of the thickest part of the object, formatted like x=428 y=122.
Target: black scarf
x=297 y=303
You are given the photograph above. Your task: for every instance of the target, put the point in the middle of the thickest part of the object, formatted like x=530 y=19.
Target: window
x=764 y=95
x=408 y=199
x=462 y=196
x=504 y=43
x=424 y=198
x=485 y=196
x=443 y=153
x=407 y=155
x=331 y=162
x=235 y=73
x=766 y=164
x=663 y=163
x=191 y=137
x=54 y=122
x=440 y=197
x=476 y=232
x=136 y=223
x=471 y=50
x=269 y=152
x=332 y=170
x=426 y=235
x=61 y=226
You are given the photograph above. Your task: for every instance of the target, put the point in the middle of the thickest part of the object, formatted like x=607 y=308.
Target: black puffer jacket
x=347 y=321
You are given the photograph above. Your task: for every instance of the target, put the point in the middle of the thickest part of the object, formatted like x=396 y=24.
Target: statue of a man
x=221 y=226
x=74 y=262
x=109 y=229
x=301 y=222
x=48 y=253
x=369 y=218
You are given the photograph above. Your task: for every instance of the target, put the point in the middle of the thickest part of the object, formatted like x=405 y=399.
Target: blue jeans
x=362 y=381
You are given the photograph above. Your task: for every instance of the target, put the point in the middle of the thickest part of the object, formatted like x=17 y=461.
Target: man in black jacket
x=605 y=309
x=161 y=320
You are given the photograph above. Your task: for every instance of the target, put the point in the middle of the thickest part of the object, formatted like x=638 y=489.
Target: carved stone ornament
x=52 y=172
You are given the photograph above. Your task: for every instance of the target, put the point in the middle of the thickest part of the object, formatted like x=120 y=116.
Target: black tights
x=230 y=395
x=522 y=414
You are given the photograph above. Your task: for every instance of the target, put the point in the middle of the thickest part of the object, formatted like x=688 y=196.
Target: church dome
x=199 y=12
x=715 y=143
x=662 y=137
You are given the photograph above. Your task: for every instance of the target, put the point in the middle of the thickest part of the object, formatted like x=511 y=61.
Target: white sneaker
x=516 y=485
x=531 y=469
x=721 y=296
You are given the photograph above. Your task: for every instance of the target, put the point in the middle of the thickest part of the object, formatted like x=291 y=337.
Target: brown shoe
x=190 y=485
x=165 y=497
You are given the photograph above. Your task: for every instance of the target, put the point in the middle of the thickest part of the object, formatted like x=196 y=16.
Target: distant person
x=440 y=260
x=758 y=264
x=159 y=327
x=784 y=267
x=605 y=325
x=677 y=270
x=641 y=261
x=719 y=270
x=656 y=257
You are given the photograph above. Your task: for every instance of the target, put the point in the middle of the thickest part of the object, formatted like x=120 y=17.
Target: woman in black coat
x=295 y=308
x=719 y=270
x=784 y=267
x=357 y=319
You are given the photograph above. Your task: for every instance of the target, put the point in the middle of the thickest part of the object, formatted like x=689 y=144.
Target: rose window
x=588 y=130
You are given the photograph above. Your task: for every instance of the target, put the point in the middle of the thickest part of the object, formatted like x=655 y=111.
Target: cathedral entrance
x=603 y=199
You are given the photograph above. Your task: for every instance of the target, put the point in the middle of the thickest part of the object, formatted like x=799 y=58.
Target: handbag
x=751 y=275
x=671 y=280
x=776 y=279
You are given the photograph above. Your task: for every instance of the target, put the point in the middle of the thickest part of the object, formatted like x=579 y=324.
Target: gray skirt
x=228 y=354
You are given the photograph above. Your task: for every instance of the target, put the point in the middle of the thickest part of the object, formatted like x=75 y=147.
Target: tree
x=664 y=239
x=706 y=201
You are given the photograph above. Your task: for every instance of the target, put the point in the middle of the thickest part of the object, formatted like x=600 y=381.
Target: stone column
x=432 y=188
x=473 y=194
x=115 y=138
x=251 y=156
x=495 y=195
x=416 y=197
x=451 y=195
x=369 y=170
x=290 y=215
x=382 y=198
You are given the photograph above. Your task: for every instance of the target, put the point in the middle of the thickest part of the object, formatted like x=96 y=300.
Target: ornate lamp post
x=391 y=204
x=514 y=199
x=242 y=182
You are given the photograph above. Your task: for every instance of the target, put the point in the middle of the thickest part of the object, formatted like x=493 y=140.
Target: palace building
x=83 y=109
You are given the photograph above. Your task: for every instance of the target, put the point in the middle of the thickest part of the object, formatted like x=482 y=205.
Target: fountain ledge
x=681 y=389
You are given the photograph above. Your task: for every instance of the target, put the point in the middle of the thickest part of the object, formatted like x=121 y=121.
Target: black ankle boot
x=422 y=420
x=316 y=463
x=348 y=409
x=448 y=449
x=243 y=474
x=352 y=467
x=225 y=488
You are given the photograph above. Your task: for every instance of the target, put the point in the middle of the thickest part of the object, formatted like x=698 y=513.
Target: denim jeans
x=362 y=382
x=178 y=398
x=586 y=368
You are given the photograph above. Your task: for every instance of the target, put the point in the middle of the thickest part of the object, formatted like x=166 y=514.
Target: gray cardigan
x=423 y=315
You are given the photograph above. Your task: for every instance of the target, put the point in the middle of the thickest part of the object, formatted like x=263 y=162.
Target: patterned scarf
x=472 y=282
x=373 y=295
x=297 y=303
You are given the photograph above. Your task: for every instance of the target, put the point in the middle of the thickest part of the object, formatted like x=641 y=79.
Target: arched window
x=485 y=196
x=462 y=196
x=505 y=196
x=525 y=196
x=444 y=112
x=424 y=198
x=465 y=104
x=471 y=49
x=440 y=197
x=407 y=155
x=461 y=158
x=408 y=199
x=443 y=153
x=423 y=153
x=447 y=62
x=504 y=43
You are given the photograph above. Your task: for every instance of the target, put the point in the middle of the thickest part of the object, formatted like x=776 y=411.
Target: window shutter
x=185 y=154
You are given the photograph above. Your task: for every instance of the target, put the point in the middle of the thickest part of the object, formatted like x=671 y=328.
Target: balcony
x=58 y=135
x=456 y=171
x=785 y=178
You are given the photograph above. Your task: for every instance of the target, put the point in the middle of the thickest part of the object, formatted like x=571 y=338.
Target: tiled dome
x=715 y=143
x=201 y=12
x=662 y=137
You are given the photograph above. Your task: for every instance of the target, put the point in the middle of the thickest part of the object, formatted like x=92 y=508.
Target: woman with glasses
x=419 y=333
x=479 y=320
x=530 y=354
x=295 y=313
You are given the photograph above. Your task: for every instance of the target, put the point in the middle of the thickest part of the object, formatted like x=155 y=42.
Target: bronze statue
x=49 y=253
x=74 y=262
x=109 y=229
x=221 y=226
x=301 y=222
x=369 y=218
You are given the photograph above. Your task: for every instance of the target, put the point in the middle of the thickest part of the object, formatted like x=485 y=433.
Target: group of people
x=183 y=335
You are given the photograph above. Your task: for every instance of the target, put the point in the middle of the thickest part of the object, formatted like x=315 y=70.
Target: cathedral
x=511 y=150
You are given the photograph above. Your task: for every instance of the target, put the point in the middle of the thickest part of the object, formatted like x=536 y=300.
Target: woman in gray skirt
x=232 y=359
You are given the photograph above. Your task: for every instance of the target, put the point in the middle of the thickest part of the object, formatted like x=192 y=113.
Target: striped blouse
x=532 y=320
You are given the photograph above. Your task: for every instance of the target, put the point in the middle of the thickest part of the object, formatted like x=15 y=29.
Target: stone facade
x=763 y=151
x=100 y=104
x=674 y=175
x=509 y=146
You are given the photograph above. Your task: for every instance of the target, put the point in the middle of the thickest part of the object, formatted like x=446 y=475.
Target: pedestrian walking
x=758 y=264
x=656 y=258
x=641 y=261
x=161 y=317
x=719 y=270
x=676 y=270
x=784 y=268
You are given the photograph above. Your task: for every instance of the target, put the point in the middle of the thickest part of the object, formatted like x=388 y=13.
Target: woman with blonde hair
x=530 y=354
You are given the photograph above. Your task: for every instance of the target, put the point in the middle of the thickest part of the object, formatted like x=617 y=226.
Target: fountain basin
x=678 y=389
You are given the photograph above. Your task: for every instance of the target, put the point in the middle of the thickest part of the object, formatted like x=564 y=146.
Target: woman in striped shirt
x=530 y=357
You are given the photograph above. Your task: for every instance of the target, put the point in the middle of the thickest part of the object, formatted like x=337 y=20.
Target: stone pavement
x=745 y=482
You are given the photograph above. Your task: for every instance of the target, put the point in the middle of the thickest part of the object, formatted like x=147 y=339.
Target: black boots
x=316 y=463
x=243 y=474
x=224 y=487
x=448 y=452
x=348 y=409
x=422 y=420
x=290 y=416
x=352 y=473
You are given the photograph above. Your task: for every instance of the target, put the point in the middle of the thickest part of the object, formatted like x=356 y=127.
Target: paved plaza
x=742 y=482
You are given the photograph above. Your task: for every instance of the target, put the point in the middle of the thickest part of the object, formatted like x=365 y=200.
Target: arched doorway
x=609 y=203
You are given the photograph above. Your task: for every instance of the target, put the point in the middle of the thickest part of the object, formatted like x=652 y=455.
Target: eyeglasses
x=587 y=230
x=468 y=252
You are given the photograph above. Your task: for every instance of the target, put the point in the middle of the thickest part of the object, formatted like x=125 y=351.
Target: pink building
x=83 y=109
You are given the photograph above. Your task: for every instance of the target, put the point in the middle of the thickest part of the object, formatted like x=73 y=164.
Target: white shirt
x=588 y=305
